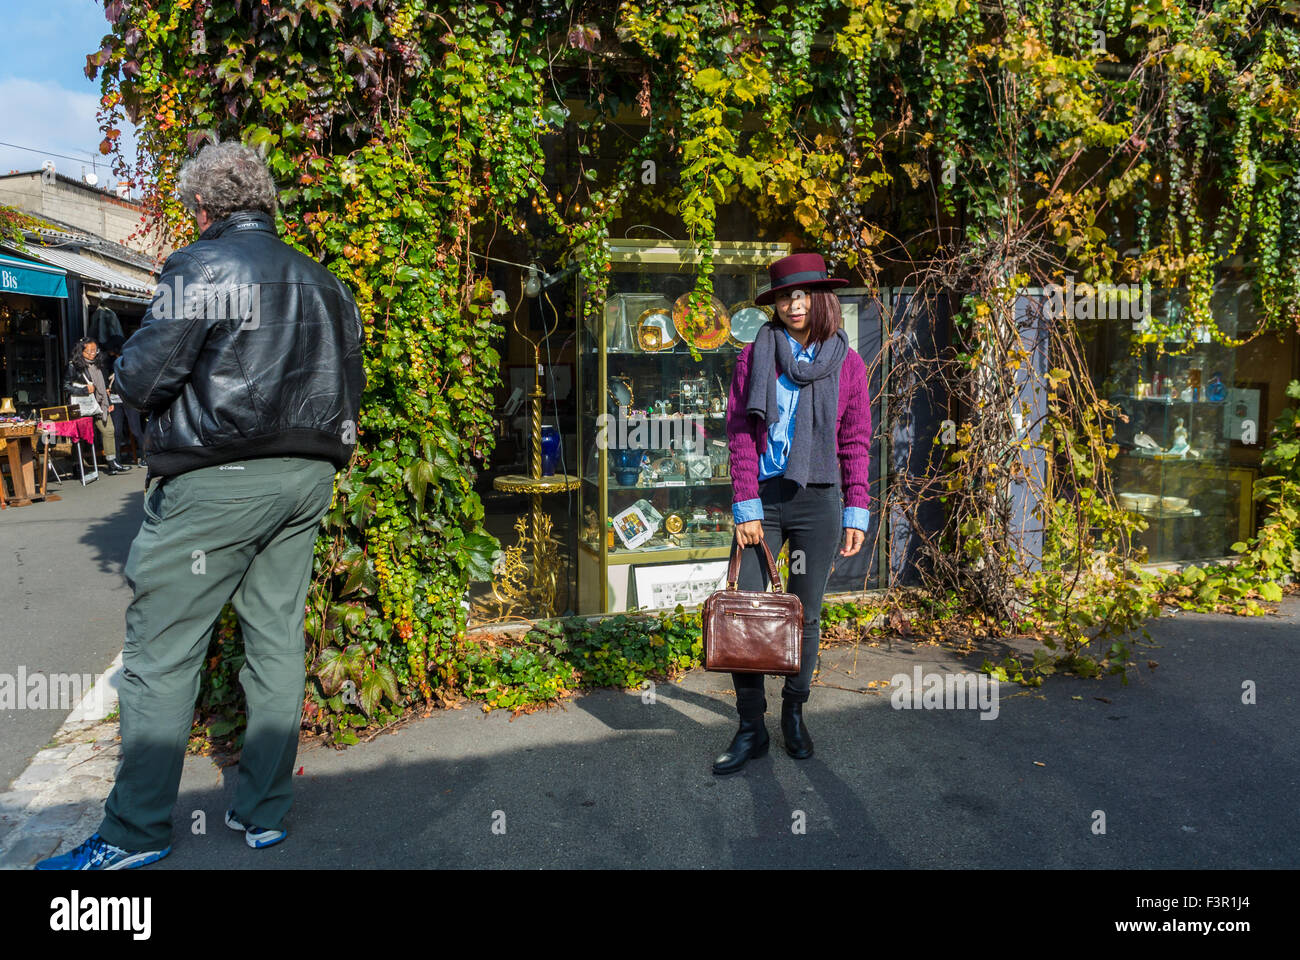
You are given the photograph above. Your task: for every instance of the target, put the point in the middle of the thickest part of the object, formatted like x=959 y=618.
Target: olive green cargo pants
x=242 y=533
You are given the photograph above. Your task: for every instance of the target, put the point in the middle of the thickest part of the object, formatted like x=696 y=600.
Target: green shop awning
x=36 y=279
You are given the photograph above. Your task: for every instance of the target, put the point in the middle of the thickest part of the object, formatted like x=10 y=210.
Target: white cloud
x=47 y=117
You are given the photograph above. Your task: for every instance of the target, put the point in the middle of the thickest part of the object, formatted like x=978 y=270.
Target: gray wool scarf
x=814 y=455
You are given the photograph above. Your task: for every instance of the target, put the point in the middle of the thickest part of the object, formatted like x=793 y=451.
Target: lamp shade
x=7 y=407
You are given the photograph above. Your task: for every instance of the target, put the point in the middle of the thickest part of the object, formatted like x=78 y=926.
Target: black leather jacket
x=249 y=349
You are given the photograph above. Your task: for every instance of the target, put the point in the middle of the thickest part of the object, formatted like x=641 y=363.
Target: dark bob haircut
x=824 y=316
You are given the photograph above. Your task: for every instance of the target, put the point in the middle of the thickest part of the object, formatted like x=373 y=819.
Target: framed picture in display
x=666 y=585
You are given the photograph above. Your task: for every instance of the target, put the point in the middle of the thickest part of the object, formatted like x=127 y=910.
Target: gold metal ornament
x=518 y=589
x=537 y=539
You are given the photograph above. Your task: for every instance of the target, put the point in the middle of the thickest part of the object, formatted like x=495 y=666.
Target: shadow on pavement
x=1184 y=773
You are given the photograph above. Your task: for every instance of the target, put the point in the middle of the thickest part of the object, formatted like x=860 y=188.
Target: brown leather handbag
x=753 y=631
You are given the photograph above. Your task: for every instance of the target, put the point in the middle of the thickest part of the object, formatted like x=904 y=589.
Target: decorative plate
x=707 y=334
x=655 y=330
x=621 y=311
x=746 y=318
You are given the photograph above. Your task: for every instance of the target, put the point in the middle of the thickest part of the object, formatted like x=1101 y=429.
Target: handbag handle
x=733 y=568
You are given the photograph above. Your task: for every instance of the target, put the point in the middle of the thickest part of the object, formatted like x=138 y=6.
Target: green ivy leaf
x=331 y=669
x=222 y=727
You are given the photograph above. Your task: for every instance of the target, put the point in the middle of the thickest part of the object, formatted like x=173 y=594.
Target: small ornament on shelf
x=1145 y=444
x=1181 y=447
x=1216 y=392
x=590 y=526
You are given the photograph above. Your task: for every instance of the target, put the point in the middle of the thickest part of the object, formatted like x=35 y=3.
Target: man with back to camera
x=250 y=363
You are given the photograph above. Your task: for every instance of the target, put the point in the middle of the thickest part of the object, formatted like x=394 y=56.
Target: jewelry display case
x=1183 y=412
x=655 y=497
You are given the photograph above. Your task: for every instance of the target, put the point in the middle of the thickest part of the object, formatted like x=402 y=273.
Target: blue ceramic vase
x=550 y=450
x=627 y=466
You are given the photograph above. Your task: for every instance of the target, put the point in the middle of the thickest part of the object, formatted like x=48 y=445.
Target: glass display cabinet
x=31 y=371
x=1184 y=412
x=655 y=498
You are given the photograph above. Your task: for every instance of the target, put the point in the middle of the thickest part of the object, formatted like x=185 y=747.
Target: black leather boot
x=797 y=741
x=750 y=741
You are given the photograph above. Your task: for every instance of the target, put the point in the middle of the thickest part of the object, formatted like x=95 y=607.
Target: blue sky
x=46 y=102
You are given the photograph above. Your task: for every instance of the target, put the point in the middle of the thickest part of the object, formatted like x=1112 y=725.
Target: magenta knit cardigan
x=747 y=435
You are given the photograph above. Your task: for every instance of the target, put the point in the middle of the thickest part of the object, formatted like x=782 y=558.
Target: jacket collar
x=240 y=220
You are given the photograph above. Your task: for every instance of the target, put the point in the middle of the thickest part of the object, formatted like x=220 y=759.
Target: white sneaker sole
x=265 y=838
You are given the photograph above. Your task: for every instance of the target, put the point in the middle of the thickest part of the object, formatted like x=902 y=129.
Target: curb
x=61 y=794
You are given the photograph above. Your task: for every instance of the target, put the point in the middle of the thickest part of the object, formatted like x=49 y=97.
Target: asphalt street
x=1177 y=769
x=63 y=597
x=1172 y=770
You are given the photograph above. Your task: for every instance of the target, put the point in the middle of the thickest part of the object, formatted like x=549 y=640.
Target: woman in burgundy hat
x=799 y=431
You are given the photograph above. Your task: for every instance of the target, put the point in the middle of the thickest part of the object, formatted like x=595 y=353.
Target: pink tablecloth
x=82 y=428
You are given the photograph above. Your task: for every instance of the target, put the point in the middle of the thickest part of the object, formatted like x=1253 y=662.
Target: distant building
x=78 y=272
x=91 y=209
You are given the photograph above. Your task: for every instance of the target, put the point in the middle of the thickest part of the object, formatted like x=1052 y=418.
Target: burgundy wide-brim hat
x=799 y=271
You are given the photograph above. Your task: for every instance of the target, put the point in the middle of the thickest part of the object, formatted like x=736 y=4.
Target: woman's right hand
x=749 y=533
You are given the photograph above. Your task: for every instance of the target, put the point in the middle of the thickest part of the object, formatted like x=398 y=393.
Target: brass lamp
x=7 y=407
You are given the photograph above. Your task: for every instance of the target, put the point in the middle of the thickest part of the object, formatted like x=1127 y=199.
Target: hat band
x=800 y=277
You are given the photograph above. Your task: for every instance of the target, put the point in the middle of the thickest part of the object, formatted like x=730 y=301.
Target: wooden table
x=19 y=442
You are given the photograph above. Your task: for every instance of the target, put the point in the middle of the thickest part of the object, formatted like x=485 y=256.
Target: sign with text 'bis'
x=33 y=279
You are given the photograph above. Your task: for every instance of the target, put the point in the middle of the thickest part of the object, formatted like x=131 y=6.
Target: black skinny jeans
x=811 y=518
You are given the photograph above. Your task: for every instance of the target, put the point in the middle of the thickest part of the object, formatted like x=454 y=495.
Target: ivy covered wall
x=965 y=149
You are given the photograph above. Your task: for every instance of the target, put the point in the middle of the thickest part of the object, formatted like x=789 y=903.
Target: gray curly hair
x=229 y=177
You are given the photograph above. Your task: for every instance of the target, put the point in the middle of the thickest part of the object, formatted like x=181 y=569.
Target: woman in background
x=85 y=377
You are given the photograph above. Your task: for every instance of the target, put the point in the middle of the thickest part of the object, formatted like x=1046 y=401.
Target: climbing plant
x=968 y=151
x=15 y=225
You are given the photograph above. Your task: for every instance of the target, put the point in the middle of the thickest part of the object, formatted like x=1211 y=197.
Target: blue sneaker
x=98 y=854
x=255 y=837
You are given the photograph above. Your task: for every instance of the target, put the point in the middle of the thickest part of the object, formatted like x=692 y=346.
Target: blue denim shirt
x=772 y=461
